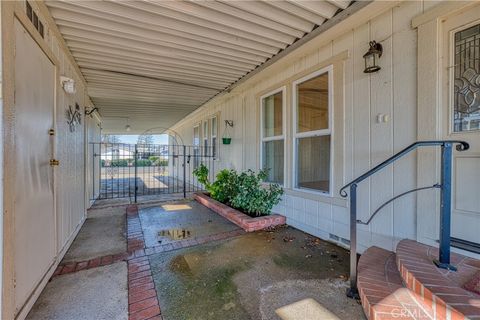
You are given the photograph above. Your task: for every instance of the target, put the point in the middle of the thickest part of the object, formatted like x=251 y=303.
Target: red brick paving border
x=142 y=296
x=75 y=266
x=137 y=249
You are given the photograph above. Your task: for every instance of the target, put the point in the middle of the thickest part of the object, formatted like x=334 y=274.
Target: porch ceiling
x=150 y=63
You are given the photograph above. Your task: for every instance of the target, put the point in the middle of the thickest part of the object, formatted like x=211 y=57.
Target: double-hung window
x=205 y=138
x=273 y=135
x=214 y=133
x=312 y=102
x=196 y=145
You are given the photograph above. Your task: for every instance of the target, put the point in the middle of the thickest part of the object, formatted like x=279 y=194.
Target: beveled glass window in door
x=466 y=102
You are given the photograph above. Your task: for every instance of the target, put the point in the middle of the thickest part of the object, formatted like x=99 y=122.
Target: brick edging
x=142 y=295
x=75 y=266
x=137 y=252
x=242 y=220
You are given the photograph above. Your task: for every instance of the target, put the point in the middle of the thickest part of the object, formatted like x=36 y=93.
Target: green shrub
x=225 y=186
x=254 y=198
x=131 y=162
x=201 y=172
x=157 y=161
x=143 y=163
x=243 y=191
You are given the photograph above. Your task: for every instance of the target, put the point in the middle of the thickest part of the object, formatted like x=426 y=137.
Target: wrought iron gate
x=134 y=170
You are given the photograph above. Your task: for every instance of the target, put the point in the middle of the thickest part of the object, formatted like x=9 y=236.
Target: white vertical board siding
x=70 y=146
x=70 y=176
x=391 y=91
x=381 y=87
x=69 y=150
x=404 y=111
x=92 y=163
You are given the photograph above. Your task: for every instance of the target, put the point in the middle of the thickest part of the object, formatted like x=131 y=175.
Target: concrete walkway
x=179 y=260
x=99 y=292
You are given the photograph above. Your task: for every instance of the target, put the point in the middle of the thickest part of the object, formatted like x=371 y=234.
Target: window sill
x=317 y=196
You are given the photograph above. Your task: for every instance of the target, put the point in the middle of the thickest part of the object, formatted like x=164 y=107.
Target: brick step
x=382 y=292
x=439 y=289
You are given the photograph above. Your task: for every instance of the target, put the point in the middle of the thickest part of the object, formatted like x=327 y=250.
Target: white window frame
x=196 y=161
x=199 y=138
x=283 y=90
x=214 y=135
x=316 y=133
x=205 y=137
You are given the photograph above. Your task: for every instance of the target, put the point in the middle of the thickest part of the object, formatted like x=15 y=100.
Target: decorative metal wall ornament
x=371 y=57
x=74 y=117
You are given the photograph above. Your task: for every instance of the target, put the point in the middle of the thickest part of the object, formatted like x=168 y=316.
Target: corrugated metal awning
x=154 y=62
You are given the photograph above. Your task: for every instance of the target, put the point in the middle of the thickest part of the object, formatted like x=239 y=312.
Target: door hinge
x=51 y=132
x=54 y=162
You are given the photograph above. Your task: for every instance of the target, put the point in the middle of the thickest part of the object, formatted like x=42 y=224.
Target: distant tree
x=146 y=148
x=110 y=138
x=145 y=139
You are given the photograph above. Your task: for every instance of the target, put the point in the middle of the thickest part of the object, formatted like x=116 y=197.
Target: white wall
x=69 y=148
x=92 y=163
x=365 y=142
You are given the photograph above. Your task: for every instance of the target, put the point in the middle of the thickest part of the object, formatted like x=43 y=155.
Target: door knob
x=54 y=162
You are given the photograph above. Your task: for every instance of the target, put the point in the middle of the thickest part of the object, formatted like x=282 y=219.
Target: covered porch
x=362 y=115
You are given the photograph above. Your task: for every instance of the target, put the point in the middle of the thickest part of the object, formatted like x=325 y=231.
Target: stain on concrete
x=175 y=221
x=250 y=276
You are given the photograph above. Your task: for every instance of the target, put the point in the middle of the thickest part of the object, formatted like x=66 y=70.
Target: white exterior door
x=461 y=117
x=34 y=213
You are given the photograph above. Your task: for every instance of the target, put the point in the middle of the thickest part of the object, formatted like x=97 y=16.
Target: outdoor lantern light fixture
x=372 y=56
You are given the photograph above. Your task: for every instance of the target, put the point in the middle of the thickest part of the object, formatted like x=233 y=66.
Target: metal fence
x=132 y=170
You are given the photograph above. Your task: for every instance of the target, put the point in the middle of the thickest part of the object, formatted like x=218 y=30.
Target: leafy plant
x=201 y=172
x=244 y=191
x=225 y=186
x=254 y=198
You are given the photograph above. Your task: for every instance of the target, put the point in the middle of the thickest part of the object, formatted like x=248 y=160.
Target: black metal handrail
x=383 y=205
x=445 y=203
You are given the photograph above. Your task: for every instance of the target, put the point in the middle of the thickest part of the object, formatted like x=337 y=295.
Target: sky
x=132 y=138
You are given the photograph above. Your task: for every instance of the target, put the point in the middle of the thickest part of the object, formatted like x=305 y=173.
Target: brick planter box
x=245 y=222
